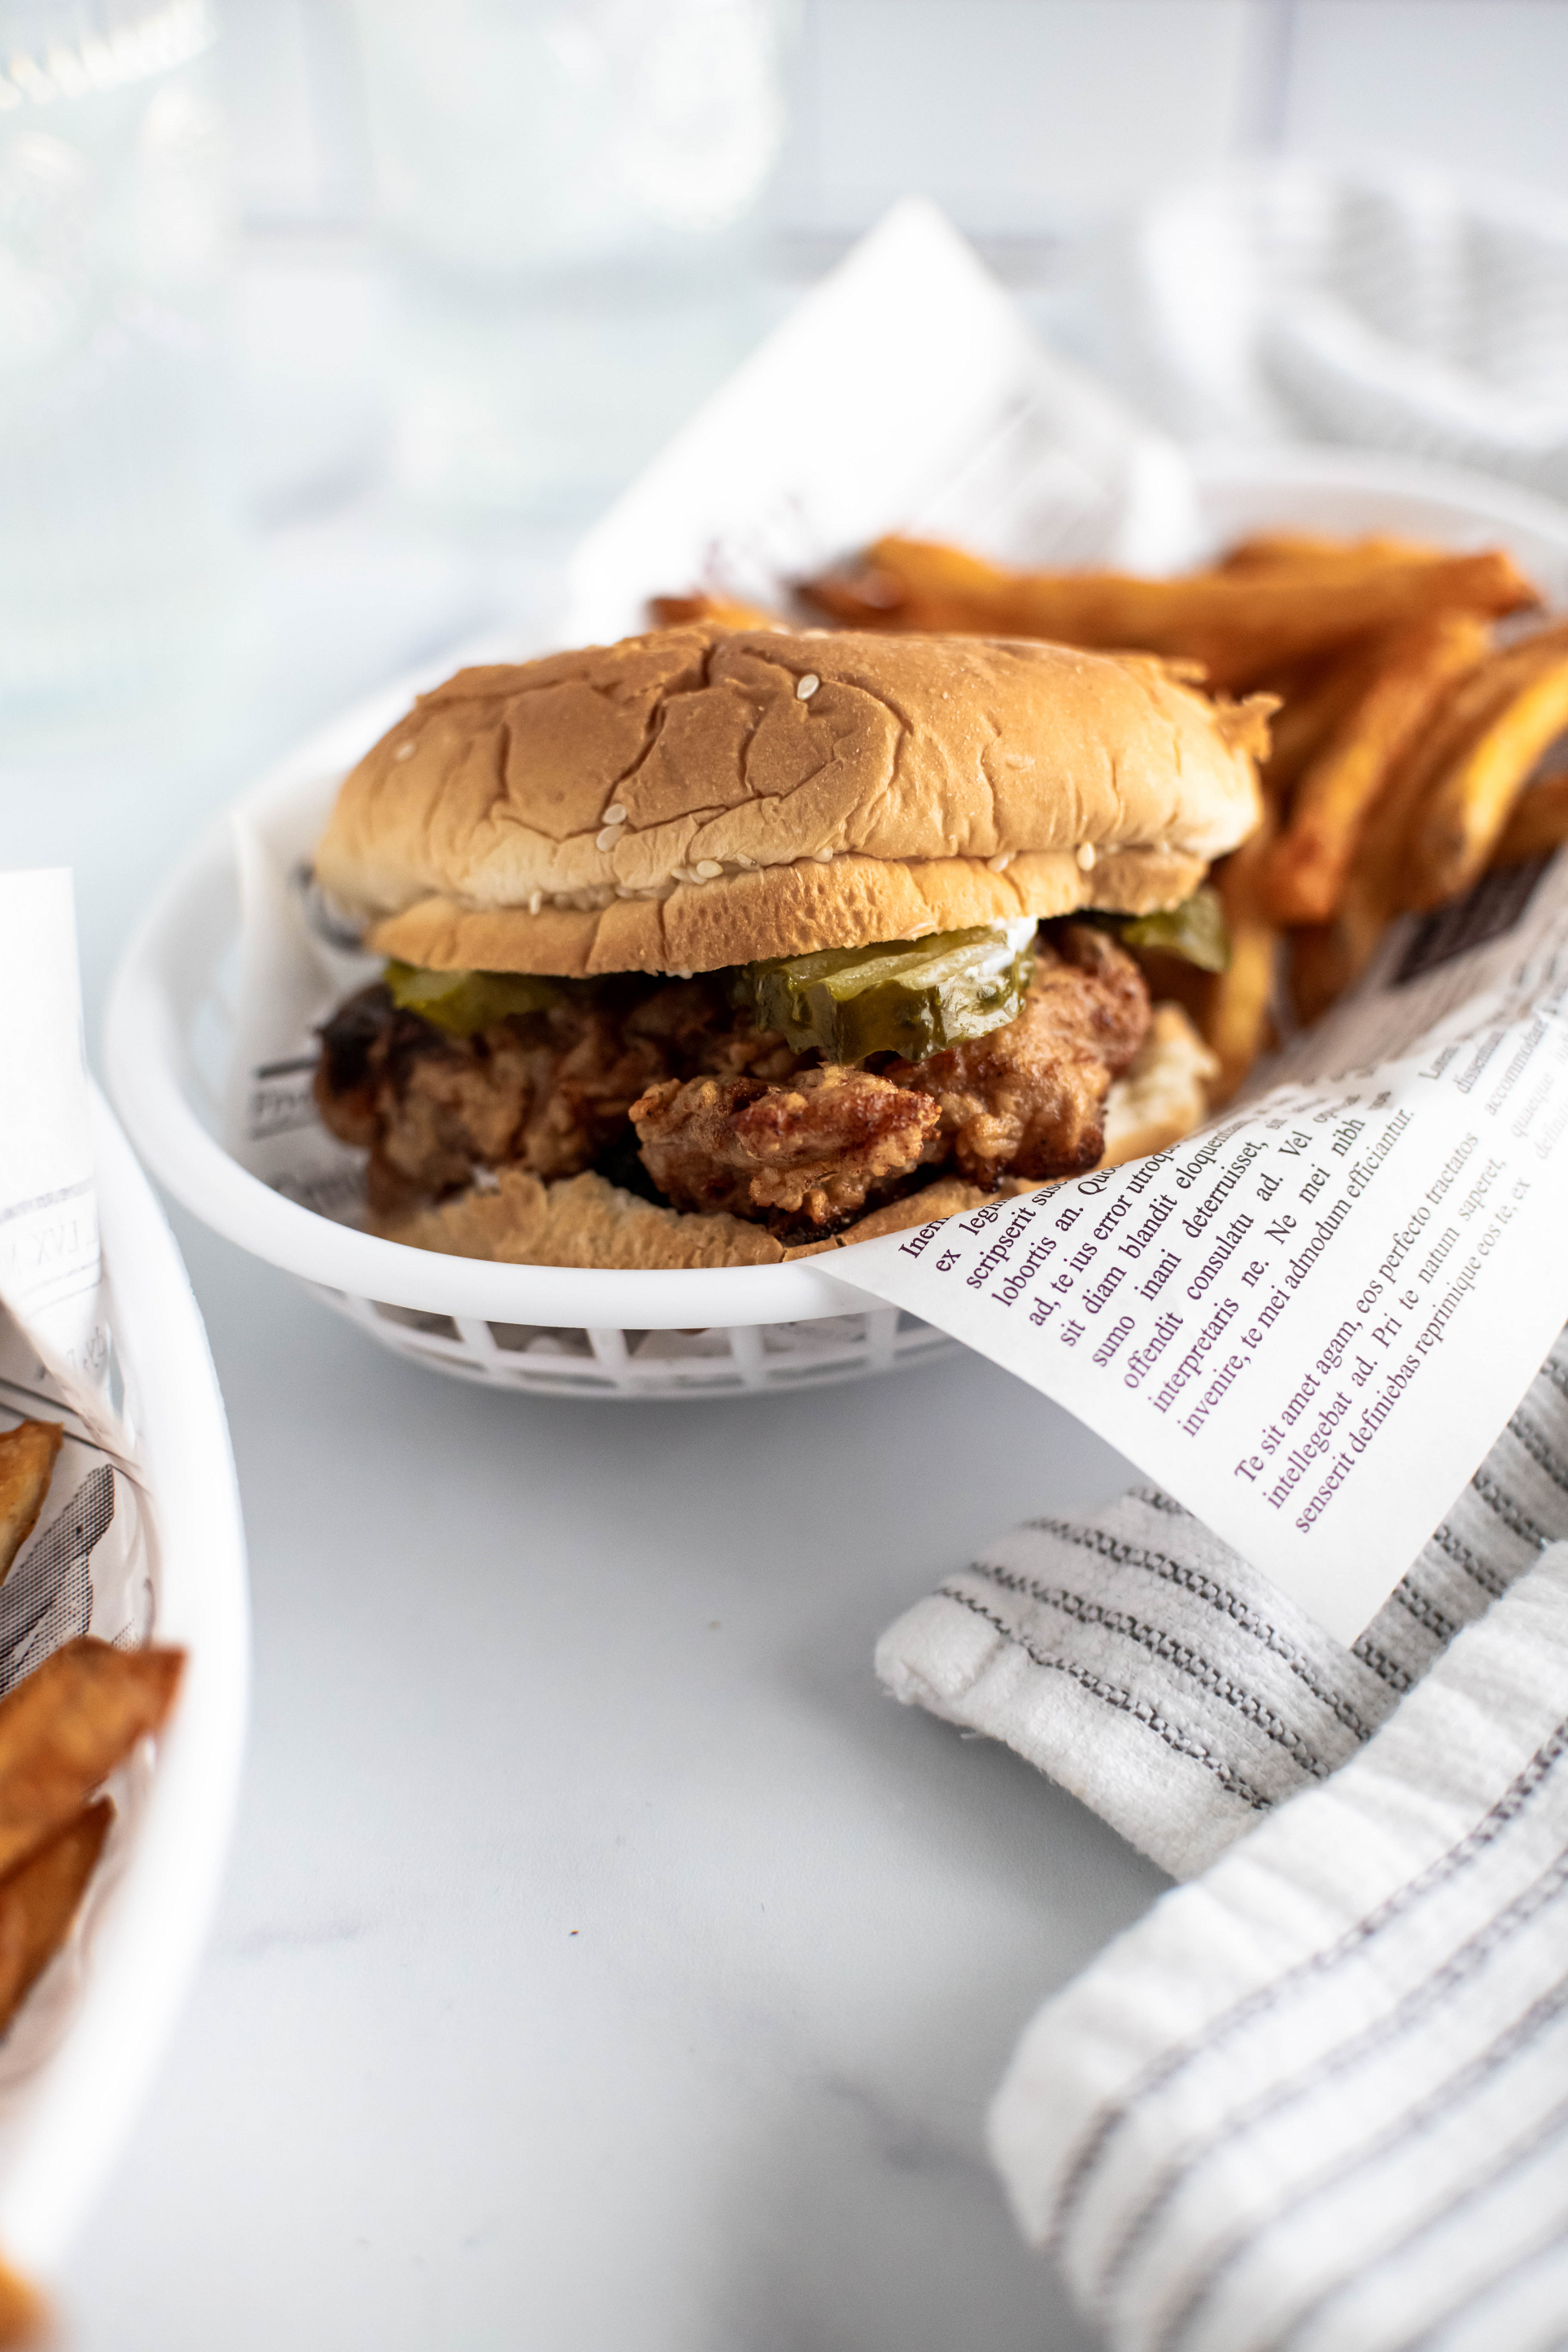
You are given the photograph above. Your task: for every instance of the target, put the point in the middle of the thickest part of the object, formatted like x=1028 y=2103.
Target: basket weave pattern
x=553 y=1360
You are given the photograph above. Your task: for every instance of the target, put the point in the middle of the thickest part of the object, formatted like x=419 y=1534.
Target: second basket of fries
x=854 y=860
x=122 y=1618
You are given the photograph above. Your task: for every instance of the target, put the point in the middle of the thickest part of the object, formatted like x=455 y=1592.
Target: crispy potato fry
x=24 y=2314
x=1538 y=825
x=1241 y=627
x=908 y=584
x=1314 y=697
x=65 y=1728
x=1237 y=1019
x=1400 y=685
x=1317 y=970
x=728 y=612
x=1303 y=550
x=26 y=1464
x=39 y=1900
x=1382 y=874
x=1385 y=865
x=1240 y=1022
x=1471 y=798
x=1333 y=959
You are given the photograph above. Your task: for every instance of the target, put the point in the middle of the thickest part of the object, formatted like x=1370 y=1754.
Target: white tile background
x=1026 y=118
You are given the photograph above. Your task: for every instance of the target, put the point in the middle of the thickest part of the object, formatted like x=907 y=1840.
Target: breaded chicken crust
x=667 y=1084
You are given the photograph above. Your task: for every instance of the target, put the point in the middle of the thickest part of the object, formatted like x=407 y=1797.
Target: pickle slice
x=903 y=996
x=463 y=1002
x=1196 y=930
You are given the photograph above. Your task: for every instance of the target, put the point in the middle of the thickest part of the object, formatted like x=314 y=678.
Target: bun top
x=693 y=760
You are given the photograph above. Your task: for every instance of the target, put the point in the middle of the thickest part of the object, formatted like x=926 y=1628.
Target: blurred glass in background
x=122 y=560
x=568 y=191
x=492 y=253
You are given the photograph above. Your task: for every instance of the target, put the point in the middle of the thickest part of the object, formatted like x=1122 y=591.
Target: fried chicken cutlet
x=666 y=1078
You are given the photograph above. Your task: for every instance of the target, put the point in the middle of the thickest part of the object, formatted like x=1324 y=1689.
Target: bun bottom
x=585 y=1221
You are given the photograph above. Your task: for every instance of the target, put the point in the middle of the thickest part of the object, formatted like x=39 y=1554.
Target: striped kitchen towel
x=1390 y=307
x=1318 y=2100
x=1146 y=1666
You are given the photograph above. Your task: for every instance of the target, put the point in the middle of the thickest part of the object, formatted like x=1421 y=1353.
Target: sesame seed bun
x=692 y=798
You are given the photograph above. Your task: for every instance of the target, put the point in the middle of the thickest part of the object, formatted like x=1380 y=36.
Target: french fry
x=1315 y=699
x=1471 y=798
x=1327 y=959
x=65 y=1728
x=1301 y=550
x=1400 y=688
x=1538 y=825
x=907 y=584
x=39 y=1900
x=26 y=1464
x=1239 y=626
x=1383 y=870
x=24 y=2314
x=728 y=612
x=1373 y=894
x=1318 y=968
x=1384 y=867
x=1236 y=1018
x=1375 y=888
x=1240 y=1021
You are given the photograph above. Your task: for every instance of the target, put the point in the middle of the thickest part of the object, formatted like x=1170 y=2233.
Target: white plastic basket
x=562 y=1331
x=62 y=2126
x=727 y=1360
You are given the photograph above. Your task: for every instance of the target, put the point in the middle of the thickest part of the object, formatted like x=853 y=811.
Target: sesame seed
x=535 y=900
x=1001 y=862
x=808 y=686
x=616 y=815
x=609 y=838
x=708 y=869
x=404 y=751
x=1086 y=857
x=823 y=856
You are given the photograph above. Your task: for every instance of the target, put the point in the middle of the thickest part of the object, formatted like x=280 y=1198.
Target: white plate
x=62 y=2125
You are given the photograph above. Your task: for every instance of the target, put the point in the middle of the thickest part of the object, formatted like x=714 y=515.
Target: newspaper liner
x=1309 y=1321
x=1245 y=1317
x=90 y=1565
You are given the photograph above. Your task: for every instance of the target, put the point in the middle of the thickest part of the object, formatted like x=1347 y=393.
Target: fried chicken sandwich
x=708 y=947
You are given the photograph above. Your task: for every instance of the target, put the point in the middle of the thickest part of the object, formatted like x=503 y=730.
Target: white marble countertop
x=604 y=1961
